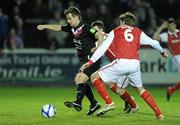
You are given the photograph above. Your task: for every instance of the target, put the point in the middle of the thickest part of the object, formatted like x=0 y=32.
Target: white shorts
x=122 y=79
x=176 y=60
x=121 y=82
x=118 y=69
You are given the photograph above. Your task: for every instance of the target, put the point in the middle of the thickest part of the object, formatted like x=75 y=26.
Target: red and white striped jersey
x=173 y=41
x=124 y=42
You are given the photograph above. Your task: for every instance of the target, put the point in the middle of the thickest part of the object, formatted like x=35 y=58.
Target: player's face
x=172 y=26
x=73 y=21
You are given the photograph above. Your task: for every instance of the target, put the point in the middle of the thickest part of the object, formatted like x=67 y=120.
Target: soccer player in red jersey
x=172 y=38
x=124 y=41
x=130 y=104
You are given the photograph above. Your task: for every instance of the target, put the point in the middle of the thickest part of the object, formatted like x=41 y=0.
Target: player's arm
x=159 y=30
x=103 y=48
x=145 y=40
x=53 y=27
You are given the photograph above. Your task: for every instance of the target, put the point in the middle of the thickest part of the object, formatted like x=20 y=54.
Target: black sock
x=90 y=95
x=80 y=92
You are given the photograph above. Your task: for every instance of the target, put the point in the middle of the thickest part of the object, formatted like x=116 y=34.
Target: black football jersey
x=83 y=38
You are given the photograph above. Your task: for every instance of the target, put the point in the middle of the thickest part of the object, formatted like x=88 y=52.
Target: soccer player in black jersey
x=85 y=37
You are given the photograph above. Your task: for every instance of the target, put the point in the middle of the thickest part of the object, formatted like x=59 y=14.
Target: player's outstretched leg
x=171 y=90
x=101 y=89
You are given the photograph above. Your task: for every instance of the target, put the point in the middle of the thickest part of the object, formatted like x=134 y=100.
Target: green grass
x=21 y=106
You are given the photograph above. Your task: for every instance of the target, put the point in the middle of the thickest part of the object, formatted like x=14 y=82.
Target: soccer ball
x=48 y=111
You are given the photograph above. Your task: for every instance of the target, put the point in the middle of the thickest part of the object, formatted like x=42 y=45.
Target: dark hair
x=99 y=24
x=74 y=11
x=171 y=20
x=128 y=18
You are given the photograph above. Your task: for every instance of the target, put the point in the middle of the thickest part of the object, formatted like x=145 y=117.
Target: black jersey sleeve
x=66 y=28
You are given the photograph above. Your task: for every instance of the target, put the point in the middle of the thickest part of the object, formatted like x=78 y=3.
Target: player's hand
x=40 y=27
x=164 y=54
x=84 y=66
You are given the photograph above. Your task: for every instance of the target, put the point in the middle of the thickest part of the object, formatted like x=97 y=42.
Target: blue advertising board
x=38 y=66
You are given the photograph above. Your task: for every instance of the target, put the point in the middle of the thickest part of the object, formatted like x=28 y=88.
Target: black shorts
x=93 y=68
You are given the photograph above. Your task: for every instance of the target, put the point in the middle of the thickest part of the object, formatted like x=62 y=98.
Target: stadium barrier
x=157 y=70
x=42 y=67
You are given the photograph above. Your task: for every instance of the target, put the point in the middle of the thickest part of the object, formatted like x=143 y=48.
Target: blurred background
x=32 y=57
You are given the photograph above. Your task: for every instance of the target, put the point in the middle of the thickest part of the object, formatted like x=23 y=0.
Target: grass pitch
x=22 y=106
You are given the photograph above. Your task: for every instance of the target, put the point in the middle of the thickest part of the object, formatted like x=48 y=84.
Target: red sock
x=101 y=89
x=175 y=87
x=126 y=97
x=150 y=101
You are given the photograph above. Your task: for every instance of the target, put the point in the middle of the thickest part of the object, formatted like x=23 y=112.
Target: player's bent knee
x=94 y=76
x=82 y=78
